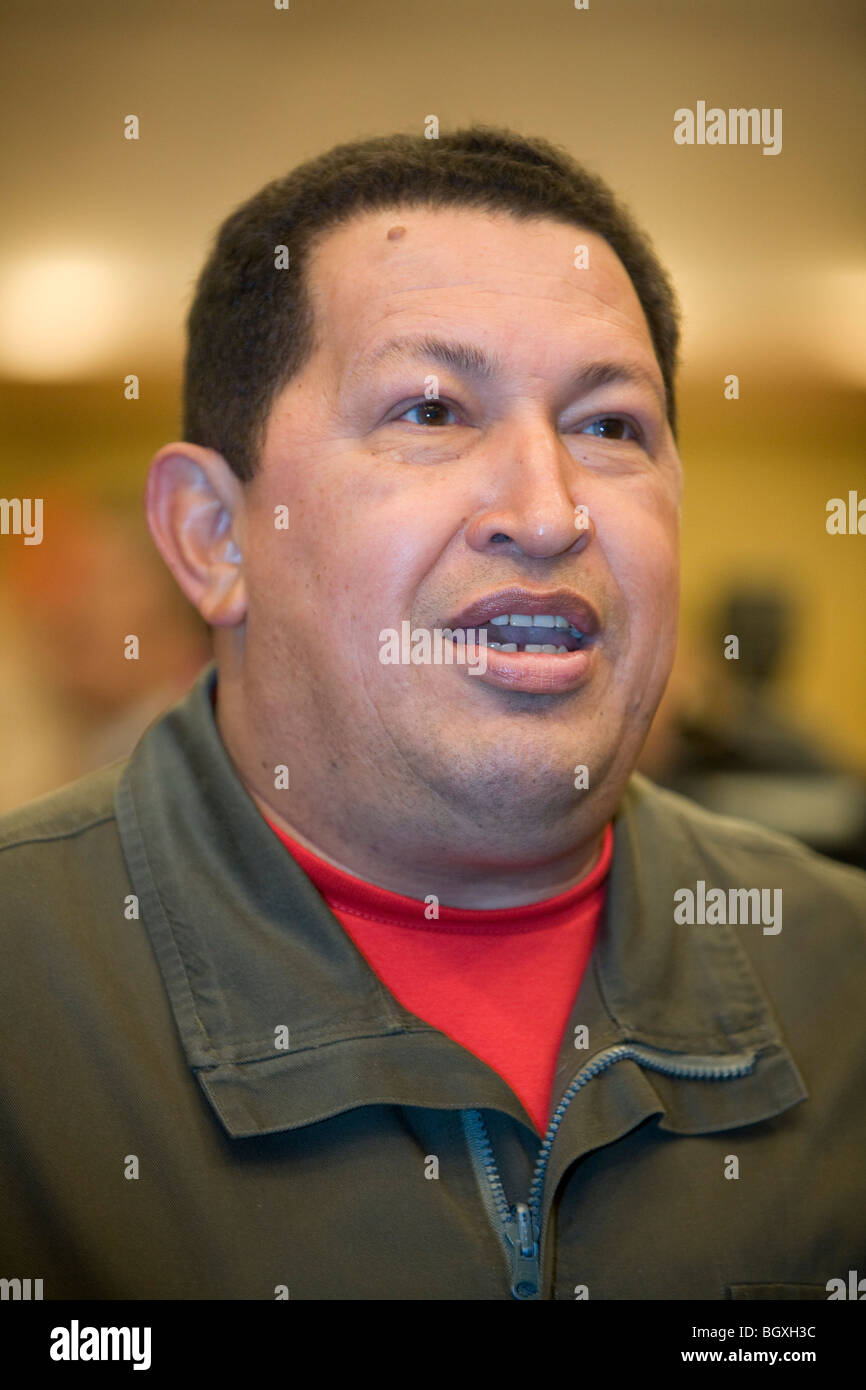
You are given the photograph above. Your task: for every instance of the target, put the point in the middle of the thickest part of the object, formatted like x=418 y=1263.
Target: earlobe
x=194 y=505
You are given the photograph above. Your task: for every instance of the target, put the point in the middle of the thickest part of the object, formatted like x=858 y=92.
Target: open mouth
x=548 y=634
x=536 y=642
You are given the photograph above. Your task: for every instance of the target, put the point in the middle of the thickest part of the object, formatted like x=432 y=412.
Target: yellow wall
x=759 y=473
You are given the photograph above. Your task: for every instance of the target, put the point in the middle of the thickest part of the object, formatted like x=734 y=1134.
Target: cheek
x=642 y=549
x=651 y=592
x=361 y=559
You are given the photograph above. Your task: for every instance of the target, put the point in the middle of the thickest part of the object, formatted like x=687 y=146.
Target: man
x=377 y=975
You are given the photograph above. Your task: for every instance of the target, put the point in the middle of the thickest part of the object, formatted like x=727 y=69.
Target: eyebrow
x=473 y=361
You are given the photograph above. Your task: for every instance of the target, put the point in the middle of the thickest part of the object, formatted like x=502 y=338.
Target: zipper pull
x=519 y=1232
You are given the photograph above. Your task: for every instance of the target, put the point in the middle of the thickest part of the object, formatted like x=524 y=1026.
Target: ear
x=195 y=511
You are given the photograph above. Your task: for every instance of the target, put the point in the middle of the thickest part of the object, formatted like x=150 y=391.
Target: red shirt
x=501 y=982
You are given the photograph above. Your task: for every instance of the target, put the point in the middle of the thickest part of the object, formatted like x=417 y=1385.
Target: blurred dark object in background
x=739 y=756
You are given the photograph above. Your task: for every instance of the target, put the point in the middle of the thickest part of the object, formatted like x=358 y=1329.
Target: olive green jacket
x=207 y=1093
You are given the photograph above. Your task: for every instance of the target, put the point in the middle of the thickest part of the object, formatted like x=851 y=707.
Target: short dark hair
x=250 y=326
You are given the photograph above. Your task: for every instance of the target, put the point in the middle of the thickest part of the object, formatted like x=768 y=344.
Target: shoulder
x=736 y=852
x=60 y=850
x=70 y=811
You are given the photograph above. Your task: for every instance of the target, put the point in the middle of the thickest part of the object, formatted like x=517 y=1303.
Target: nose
x=536 y=494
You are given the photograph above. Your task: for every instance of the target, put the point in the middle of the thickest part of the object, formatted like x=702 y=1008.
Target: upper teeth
x=535 y=620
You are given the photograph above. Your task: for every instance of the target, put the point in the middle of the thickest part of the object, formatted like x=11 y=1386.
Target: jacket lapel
x=284 y=1022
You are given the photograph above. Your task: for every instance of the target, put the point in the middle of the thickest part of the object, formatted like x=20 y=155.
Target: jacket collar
x=247 y=948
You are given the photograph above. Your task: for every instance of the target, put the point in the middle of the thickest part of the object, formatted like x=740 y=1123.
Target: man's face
x=406 y=508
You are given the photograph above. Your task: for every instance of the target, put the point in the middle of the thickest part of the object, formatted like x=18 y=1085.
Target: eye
x=612 y=427
x=432 y=412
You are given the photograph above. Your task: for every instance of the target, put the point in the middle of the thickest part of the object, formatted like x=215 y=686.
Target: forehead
x=512 y=281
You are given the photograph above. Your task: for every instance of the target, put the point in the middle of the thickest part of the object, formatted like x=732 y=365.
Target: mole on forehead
x=395 y=232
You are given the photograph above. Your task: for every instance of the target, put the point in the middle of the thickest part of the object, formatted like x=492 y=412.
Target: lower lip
x=539 y=673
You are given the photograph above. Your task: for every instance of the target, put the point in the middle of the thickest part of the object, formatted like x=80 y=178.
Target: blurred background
x=102 y=239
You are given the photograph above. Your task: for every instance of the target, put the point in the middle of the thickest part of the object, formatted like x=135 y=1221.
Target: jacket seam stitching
x=58 y=835
x=204 y=1036
x=311 y=1045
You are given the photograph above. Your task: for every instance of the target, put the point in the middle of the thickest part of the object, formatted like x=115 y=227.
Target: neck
x=509 y=886
x=509 y=848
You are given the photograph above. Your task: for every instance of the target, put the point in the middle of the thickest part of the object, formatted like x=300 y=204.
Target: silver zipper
x=519 y=1227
